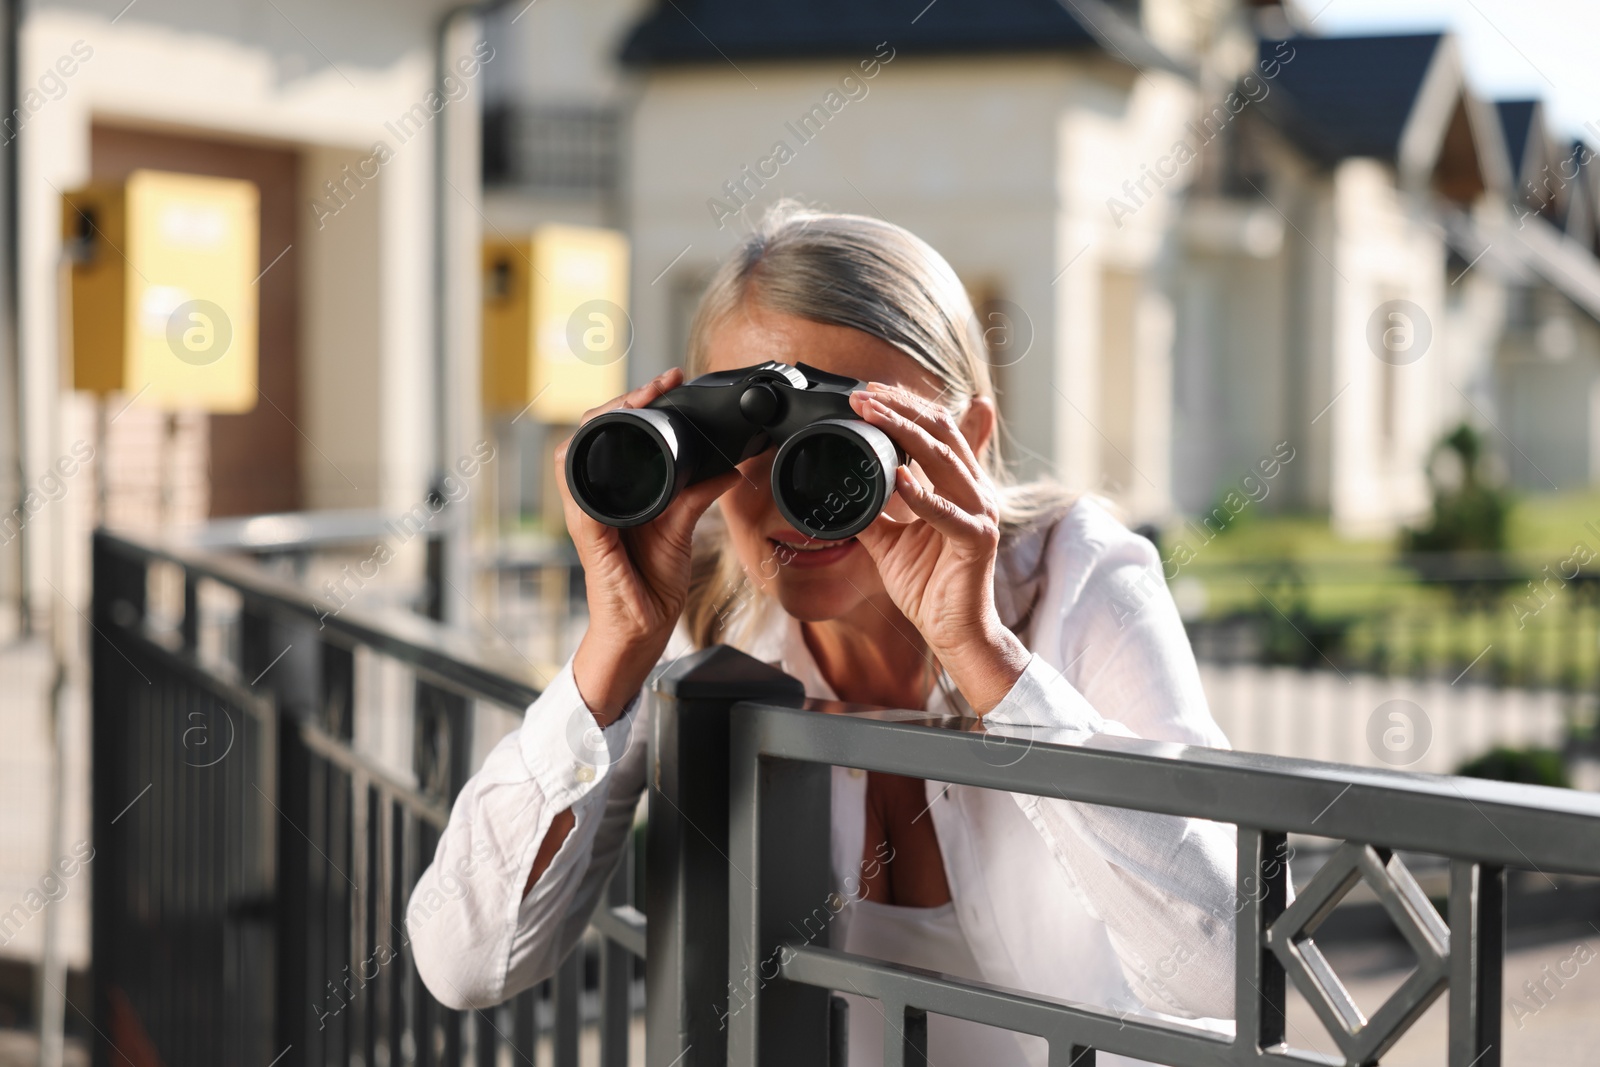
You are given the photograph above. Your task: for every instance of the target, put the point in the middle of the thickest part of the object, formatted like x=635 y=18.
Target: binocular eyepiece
x=832 y=474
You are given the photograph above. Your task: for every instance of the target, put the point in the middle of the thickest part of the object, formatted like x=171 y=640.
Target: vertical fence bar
x=485 y=1037
x=1477 y=952
x=838 y=1031
x=524 y=1029
x=190 y=629
x=303 y=995
x=616 y=974
x=399 y=1021
x=904 y=1044
x=776 y=894
x=1260 y=895
x=687 y=861
x=384 y=929
x=1071 y=1055
x=568 y=988
x=359 y=945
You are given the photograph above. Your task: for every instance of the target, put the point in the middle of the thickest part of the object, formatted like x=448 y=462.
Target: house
x=333 y=111
x=995 y=132
x=1204 y=240
x=1353 y=337
x=1548 y=358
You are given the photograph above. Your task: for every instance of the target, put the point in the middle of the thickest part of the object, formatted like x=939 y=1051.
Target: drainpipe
x=10 y=328
x=448 y=559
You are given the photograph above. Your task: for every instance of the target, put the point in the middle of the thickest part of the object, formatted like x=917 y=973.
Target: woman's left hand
x=938 y=567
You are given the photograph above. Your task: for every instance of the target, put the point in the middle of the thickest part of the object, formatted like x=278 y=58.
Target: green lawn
x=1382 y=612
x=1541 y=526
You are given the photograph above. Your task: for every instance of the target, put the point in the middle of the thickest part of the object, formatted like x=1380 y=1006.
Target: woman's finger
x=949 y=474
x=591 y=538
x=882 y=534
x=939 y=511
x=930 y=415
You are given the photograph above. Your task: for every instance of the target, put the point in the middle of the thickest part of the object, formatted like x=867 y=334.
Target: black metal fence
x=237 y=898
x=253 y=865
x=1508 y=621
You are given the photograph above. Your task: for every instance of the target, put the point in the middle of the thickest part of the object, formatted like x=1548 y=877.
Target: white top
x=929 y=938
x=1125 y=910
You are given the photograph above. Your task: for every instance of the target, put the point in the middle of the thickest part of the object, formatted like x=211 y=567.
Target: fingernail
x=877 y=387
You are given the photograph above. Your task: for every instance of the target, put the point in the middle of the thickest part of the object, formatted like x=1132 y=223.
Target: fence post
x=686 y=848
x=782 y=894
x=118 y=597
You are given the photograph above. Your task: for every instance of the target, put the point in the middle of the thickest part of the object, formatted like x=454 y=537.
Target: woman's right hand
x=636 y=579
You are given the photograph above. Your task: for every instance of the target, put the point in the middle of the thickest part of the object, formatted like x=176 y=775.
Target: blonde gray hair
x=872 y=276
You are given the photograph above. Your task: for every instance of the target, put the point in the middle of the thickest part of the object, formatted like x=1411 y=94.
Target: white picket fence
x=1353 y=718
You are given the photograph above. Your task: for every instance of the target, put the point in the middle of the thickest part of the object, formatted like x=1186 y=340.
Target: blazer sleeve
x=1162 y=884
x=476 y=939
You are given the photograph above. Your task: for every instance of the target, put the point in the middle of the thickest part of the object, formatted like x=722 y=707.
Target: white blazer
x=1124 y=910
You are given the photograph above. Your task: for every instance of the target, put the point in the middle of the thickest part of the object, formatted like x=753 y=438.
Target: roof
x=1341 y=97
x=717 y=31
x=1516 y=121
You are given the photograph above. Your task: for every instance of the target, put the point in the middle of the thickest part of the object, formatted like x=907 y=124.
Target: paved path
x=1564 y=1030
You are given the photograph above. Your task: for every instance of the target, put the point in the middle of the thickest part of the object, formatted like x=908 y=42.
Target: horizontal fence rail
x=254 y=864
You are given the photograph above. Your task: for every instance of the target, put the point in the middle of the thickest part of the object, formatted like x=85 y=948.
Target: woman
x=969 y=594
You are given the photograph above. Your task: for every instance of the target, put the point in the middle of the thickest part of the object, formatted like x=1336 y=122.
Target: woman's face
x=813 y=580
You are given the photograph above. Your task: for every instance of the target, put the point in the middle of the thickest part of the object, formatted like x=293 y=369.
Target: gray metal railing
x=738 y=901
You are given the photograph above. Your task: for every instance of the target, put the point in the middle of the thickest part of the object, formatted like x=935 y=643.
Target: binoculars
x=832 y=474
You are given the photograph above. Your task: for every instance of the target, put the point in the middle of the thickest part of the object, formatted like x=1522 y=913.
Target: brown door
x=254 y=457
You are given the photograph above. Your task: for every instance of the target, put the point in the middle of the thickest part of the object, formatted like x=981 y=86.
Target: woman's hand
x=636 y=579
x=938 y=567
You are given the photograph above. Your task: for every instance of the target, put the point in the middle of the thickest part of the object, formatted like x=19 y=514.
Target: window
x=551 y=148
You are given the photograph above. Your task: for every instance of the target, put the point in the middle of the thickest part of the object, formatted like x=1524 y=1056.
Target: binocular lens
x=831 y=479
x=621 y=473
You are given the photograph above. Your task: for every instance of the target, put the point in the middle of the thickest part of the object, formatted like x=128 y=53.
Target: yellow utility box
x=556 y=331
x=164 y=300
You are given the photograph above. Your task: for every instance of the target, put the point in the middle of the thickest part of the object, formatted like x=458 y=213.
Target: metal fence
x=749 y=856
x=1490 y=617
x=233 y=893
x=253 y=864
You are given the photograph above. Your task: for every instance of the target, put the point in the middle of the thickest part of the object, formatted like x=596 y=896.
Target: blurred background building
x=1311 y=310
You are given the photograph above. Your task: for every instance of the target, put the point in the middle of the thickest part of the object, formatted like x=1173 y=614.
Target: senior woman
x=968 y=595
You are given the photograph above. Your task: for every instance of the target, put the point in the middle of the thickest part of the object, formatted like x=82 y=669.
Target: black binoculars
x=832 y=474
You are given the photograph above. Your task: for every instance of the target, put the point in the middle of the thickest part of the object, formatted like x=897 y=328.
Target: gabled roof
x=717 y=31
x=1344 y=97
x=1402 y=99
x=1517 y=120
x=1582 y=217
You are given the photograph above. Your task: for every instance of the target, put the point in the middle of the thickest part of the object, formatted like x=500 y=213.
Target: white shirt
x=1125 y=910
x=929 y=938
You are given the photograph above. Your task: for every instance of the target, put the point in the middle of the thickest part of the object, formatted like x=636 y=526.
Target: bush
x=1531 y=766
x=1469 y=514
